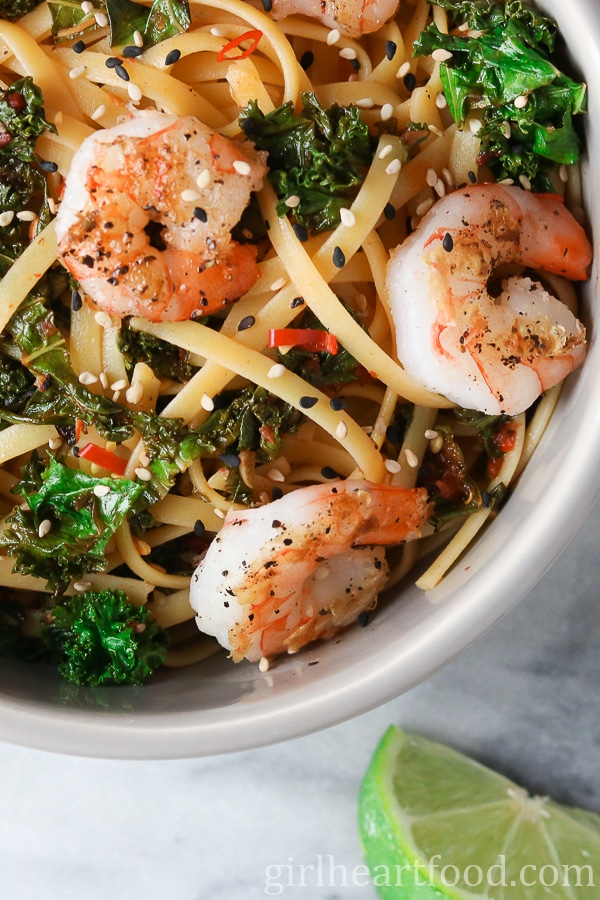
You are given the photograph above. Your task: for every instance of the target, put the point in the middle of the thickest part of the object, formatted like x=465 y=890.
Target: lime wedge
x=436 y=824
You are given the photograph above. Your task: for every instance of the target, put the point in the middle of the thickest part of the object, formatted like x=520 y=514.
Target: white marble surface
x=525 y=699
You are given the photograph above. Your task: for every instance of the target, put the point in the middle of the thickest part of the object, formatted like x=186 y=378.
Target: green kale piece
x=81 y=523
x=101 y=638
x=320 y=156
x=252 y=419
x=14 y=9
x=164 y=19
x=485 y=426
x=508 y=58
x=321 y=369
x=165 y=360
x=17 y=385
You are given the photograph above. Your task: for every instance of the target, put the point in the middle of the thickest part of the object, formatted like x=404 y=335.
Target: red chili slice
x=312 y=339
x=104 y=458
x=254 y=36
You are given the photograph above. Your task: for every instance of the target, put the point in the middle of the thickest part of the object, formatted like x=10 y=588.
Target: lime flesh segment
x=435 y=824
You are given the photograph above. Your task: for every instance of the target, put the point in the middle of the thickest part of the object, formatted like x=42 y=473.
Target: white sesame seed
x=6 y=218
x=55 y=443
x=293 y=201
x=360 y=303
x=101 y=19
x=368 y=429
x=52 y=205
x=242 y=167
x=101 y=490
x=424 y=207
x=347 y=216
x=119 y=385
x=440 y=100
x=521 y=101
x=189 y=196
x=207 y=403
x=87 y=7
x=275 y=475
x=387 y=111
x=447 y=176
x=77 y=72
x=506 y=130
x=430 y=434
x=143 y=474
x=507 y=181
x=380 y=426
x=26 y=215
x=103 y=379
x=219 y=513
x=144 y=459
x=365 y=103
x=88 y=378
x=411 y=458
x=440 y=188
x=341 y=431
x=81 y=586
x=98 y=112
x=135 y=393
x=277 y=285
x=103 y=319
x=393 y=167
x=135 y=92
x=431 y=177
x=392 y=466
x=525 y=182
x=333 y=37
x=385 y=151
x=115 y=396
x=263 y=665
x=44 y=528
x=563 y=173
x=138 y=40
x=435 y=130
x=348 y=53
x=203 y=179
x=441 y=54
x=475 y=125
x=276 y=371
x=403 y=70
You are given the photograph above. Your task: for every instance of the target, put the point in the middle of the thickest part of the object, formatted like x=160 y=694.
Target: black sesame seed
x=172 y=57
x=307 y=59
x=132 y=52
x=122 y=72
x=328 y=472
x=314 y=662
x=355 y=64
x=78 y=47
x=246 y=322
x=389 y=211
x=267 y=5
x=472 y=177
x=448 y=243
x=390 y=49
x=199 y=527
x=112 y=280
x=308 y=402
x=288 y=542
x=76 y=301
x=277 y=493
x=47 y=166
x=200 y=213
x=410 y=81
x=275 y=523
x=485 y=499
x=297 y=301
x=409 y=227
x=339 y=259
x=230 y=459
x=363 y=619
x=112 y=62
x=336 y=403
x=75 y=450
x=300 y=232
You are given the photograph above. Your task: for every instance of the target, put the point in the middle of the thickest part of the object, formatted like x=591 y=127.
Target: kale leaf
x=14 y=9
x=164 y=19
x=165 y=360
x=80 y=522
x=321 y=369
x=321 y=156
x=508 y=58
x=101 y=638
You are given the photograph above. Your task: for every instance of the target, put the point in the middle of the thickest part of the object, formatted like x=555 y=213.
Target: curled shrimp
x=300 y=568
x=145 y=221
x=352 y=18
x=493 y=354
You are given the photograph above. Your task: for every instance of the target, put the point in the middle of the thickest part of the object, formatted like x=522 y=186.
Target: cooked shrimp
x=297 y=569
x=145 y=222
x=498 y=354
x=352 y=17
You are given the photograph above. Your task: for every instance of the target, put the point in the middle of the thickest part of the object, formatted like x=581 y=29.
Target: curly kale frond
x=101 y=638
x=165 y=360
x=15 y=9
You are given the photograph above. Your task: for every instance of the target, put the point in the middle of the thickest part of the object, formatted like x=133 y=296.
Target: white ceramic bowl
x=221 y=707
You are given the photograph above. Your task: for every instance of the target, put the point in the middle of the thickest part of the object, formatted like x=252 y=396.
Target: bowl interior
x=218 y=707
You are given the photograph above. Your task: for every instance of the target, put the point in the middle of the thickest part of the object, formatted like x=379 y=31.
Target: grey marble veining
x=524 y=699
